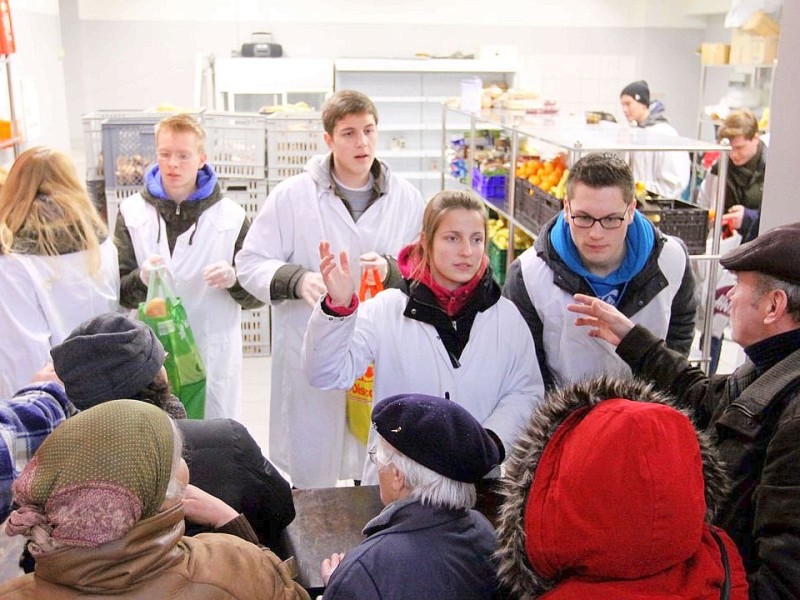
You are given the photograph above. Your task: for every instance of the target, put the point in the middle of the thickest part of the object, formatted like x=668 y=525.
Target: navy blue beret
x=438 y=434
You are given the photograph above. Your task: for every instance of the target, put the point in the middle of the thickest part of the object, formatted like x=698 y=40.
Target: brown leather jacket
x=155 y=561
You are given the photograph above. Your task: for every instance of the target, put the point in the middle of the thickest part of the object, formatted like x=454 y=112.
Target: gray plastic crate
x=129 y=148
x=292 y=139
x=236 y=144
x=248 y=193
x=93 y=137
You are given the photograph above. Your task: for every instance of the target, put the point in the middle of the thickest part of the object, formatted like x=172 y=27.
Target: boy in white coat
x=180 y=219
x=352 y=199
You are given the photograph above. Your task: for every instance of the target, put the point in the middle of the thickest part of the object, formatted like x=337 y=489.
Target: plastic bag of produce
x=164 y=312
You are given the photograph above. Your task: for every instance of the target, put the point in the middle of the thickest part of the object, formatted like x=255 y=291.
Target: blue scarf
x=639 y=242
x=206 y=181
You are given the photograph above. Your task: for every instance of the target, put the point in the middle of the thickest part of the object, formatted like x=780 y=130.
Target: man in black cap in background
x=753 y=414
x=427 y=542
x=665 y=173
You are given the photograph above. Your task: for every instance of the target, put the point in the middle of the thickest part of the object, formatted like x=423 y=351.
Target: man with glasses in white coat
x=600 y=245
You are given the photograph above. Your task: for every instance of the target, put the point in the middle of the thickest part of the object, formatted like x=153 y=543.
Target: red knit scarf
x=450 y=301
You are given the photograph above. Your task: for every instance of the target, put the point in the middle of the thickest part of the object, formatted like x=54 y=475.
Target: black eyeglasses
x=587 y=222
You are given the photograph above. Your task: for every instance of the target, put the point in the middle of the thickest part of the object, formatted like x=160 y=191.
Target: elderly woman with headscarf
x=102 y=503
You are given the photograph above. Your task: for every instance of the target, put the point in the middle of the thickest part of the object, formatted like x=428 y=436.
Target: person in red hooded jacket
x=609 y=494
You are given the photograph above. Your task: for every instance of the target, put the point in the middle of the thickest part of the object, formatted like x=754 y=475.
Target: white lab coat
x=572 y=354
x=665 y=173
x=42 y=299
x=498 y=382
x=214 y=316
x=308 y=436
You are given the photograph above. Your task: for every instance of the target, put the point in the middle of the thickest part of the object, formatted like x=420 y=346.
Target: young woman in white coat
x=446 y=332
x=58 y=266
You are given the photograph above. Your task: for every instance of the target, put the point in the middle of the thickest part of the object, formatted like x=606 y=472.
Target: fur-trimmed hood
x=515 y=571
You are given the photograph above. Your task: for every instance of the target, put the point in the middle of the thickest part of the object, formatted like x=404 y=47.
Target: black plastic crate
x=679 y=218
x=533 y=207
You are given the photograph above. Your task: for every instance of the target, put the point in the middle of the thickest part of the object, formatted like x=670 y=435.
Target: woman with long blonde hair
x=58 y=266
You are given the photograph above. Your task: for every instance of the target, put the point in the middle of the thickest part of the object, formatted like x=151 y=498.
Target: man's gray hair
x=427 y=486
x=792 y=290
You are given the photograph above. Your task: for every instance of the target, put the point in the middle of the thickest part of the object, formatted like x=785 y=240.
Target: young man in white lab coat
x=180 y=219
x=352 y=199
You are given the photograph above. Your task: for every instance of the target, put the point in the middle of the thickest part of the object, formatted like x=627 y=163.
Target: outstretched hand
x=337 y=278
x=606 y=321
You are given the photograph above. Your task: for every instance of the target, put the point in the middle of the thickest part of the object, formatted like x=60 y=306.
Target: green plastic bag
x=164 y=312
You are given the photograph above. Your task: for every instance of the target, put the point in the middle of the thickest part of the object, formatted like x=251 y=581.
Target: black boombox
x=261 y=45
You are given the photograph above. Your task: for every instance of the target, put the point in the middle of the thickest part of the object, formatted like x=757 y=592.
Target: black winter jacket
x=755 y=424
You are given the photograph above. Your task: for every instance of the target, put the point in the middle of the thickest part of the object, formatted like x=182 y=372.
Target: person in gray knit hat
x=111 y=356
x=753 y=414
x=429 y=453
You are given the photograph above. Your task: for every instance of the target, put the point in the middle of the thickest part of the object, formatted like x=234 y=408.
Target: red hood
x=618 y=503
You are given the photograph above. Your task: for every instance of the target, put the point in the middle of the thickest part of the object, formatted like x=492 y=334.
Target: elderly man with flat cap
x=427 y=542
x=753 y=414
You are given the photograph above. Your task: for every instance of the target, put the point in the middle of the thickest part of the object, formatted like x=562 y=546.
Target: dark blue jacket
x=414 y=551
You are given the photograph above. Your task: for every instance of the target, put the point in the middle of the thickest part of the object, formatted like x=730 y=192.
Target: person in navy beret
x=427 y=542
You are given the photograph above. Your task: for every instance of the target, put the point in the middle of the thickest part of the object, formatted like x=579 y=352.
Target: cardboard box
x=762 y=24
x=748 y=49
x=715 y=54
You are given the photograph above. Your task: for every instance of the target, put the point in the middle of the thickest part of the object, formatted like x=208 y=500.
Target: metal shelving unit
x=408 y=93
x=717 y=78
x=578 y=138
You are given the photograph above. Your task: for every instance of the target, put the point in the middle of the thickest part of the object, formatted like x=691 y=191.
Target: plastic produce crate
x=497 y=260
x=681 y=219
x=292 y=139
x=236 y=144
x=129 y=148
x=248 y=193
x=491 y=187
x=93 y=137
x=533 y=207
x=256 y=332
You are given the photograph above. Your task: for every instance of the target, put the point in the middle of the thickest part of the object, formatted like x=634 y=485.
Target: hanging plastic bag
x=164 y=312
x=359 y=397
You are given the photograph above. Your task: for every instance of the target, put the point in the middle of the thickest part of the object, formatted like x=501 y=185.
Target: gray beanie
x=638 y=90
x=108 y=357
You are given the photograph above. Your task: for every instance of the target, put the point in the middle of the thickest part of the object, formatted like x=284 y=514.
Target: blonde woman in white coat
x=57 y=265
x=446 y=332
x=351 y=198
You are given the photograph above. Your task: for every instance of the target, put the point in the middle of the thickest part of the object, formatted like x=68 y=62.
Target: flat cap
x=438 y=434
x=107 y=357
x=774 y=253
